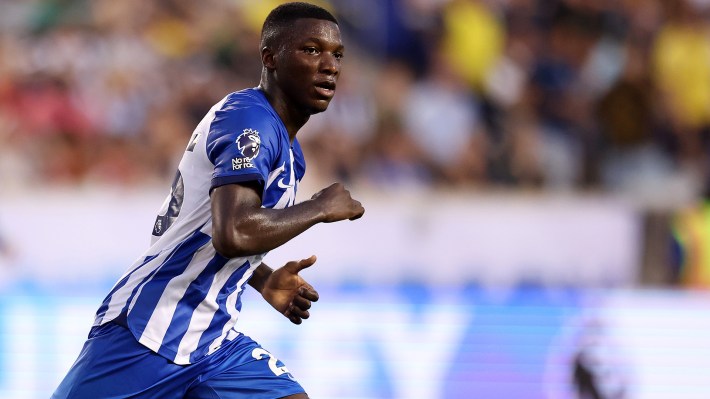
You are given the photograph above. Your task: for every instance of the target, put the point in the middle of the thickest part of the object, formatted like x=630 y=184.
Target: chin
x=319 y=107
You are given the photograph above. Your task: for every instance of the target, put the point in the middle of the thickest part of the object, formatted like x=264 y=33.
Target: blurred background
x=536 y=175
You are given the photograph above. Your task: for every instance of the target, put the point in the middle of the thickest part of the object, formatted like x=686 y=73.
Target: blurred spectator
x=560 y=98
x=573 y=95
x=392 y=30
x=514 y=152
x=448 y=93
x=681 y=67
x=45 y=105
x=691 y=234
x=629 y=153
x=520 y=156
x=393 y=161
x=443 y=120
x=473 y=39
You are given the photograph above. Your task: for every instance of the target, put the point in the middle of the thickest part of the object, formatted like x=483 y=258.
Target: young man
x=166 y=329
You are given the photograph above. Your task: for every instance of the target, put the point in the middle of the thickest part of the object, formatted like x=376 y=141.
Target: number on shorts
x=258 y=354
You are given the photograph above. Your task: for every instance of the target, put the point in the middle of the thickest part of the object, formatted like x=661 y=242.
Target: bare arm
x=241 y=227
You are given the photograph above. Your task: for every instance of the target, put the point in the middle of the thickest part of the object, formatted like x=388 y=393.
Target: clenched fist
x=337 y=204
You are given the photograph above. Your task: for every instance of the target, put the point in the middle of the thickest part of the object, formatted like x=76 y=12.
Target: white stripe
x=159 y=321
x=274 y=174
x=289 y=196
x=205 y=311
x=230 y=336
x=119 y=298
x=232 y=308
x=172 y=252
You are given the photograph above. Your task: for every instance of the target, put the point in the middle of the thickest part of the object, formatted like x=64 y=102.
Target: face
x=307 y=65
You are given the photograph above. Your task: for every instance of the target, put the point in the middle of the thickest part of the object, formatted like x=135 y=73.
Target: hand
x=337 y=204
x=288 y=292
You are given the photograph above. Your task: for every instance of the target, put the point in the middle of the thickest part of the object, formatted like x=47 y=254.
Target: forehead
x=305 y=29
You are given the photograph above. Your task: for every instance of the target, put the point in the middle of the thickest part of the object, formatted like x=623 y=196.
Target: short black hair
x=283 y=16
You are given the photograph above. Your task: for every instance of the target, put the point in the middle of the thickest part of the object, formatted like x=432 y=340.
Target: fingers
x=309 y=293
x=359 y=212
x=297 y=266
x=298 y=309
x=300 y=313
x=301 y=303
x=294 y=319
x=296 y=315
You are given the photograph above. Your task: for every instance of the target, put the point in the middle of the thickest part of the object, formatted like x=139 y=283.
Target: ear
x=268 y=58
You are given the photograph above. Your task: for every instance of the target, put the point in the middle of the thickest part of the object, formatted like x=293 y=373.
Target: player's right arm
x=241 y=227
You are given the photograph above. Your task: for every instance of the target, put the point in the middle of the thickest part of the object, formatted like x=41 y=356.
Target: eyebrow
x=341 y=47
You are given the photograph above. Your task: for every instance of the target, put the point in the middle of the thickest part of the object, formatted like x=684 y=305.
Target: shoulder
x=246 y=113
x=247 y=106
x=245 y=118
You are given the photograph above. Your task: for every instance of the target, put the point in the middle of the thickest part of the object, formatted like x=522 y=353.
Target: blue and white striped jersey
x=181 y=298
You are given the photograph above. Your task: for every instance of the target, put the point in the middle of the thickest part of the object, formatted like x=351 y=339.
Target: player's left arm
x=285 y=289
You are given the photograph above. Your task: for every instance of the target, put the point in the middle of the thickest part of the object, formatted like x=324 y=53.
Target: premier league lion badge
x=249 y=143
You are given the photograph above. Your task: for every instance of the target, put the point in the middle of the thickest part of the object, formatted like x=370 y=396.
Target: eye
x=311 y=50
x=338 y=55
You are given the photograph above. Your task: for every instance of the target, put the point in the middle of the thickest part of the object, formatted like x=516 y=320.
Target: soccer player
x=166 y=329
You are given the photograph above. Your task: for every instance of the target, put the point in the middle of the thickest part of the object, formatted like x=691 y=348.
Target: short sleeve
x=242 y=144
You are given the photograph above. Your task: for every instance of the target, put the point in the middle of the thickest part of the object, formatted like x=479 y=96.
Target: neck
x=292 y=117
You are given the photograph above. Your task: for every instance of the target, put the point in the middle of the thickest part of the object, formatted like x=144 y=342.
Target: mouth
x=325 y=88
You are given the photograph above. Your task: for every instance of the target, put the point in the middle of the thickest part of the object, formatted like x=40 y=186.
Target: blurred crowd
x=603 y=95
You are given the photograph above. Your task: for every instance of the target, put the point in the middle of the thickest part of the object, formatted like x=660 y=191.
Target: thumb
x=295 y=267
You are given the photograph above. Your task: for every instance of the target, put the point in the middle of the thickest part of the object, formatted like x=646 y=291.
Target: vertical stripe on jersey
x=122 y=297
x=224 y=314
x=104 y=306
x=204 y=314
x=157 y=326
x=150 y=291
x=185 y=308
x=231 y=304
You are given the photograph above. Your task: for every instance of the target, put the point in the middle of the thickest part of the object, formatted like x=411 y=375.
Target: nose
x=330 y=64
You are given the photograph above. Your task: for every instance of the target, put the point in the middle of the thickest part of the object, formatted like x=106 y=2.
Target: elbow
x=234 y=245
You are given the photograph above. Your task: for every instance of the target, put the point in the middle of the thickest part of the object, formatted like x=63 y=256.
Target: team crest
x=249 y=143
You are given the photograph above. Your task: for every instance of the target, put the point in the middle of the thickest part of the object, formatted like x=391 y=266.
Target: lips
x=325 y=88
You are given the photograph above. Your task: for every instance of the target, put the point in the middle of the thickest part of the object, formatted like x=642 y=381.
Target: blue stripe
x=194 y=295
x=154 y=284
x=122 y=317
x=104 y=306
x=222 y=316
